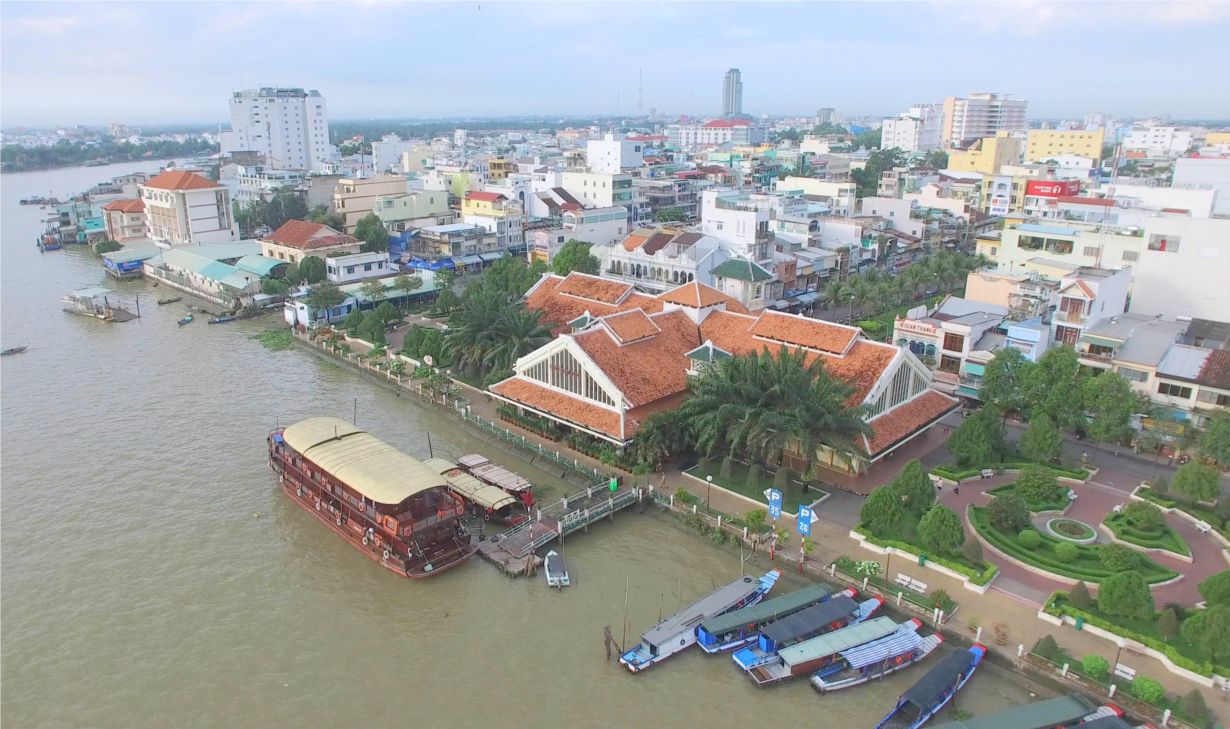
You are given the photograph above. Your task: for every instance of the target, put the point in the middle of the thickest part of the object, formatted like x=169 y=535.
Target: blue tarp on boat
x=877 y=651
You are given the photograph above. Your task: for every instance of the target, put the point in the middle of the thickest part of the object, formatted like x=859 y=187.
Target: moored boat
x=934 y=690
x=386 y=504
x=556 y=570
x=678 y=631
x=221 y=319
x=740 y=627
x=170 y=300
x=488 y=502
x=185 y=320
x=1061 y=711
x=809 y=656
x=14 y=350
x=837 y=612
x=490 y=473
x=877 y=659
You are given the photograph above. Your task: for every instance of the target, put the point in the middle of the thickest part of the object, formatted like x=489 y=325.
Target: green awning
x=972 y=368
x=1101 y=341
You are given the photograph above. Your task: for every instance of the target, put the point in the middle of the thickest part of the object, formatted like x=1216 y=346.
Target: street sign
x=614 y=484
x=804 y=521
x=775 y=503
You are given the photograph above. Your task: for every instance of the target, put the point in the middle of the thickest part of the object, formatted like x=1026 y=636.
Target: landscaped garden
x=1144 y=525
x=1072 y=530
x=752 y=481
x=1194 y=488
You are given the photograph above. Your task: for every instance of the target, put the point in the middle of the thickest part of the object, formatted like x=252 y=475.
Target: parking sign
x=804 y=521
x=775 y=503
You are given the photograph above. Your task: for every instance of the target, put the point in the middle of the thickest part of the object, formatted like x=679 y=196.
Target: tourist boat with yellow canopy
x=486 y=501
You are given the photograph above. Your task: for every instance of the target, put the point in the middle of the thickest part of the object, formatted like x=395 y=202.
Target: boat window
x=653 y=649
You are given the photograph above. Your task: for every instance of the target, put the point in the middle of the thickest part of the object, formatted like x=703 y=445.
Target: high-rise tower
x=732 y=94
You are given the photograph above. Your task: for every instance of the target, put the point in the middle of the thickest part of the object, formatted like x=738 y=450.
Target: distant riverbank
x=15 y=159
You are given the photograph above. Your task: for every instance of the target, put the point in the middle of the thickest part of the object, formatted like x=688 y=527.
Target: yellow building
x=488 y=204
x=1043 y=144
x=499 y=169
x=987 y=154
x=1216 y=138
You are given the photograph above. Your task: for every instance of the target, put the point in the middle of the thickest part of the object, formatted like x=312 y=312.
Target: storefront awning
x=1101 y=341
x=471 y=260
x=491 y=256
x=808 y=297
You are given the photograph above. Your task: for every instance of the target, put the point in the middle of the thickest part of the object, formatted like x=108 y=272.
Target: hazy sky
x=67 y=63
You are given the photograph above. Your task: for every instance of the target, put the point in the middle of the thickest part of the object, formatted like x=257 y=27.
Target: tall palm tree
x=835 y=294
x=514 y=334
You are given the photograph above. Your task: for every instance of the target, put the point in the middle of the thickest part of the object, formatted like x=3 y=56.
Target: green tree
x=941 y=530
x=275 y=287
x=868 y=139
x=312 y=269
x=1215 y=441
x=575 y=256
x=1078 y=595
x=936 y=159
x=669 y=432
x=490 y=331
x=292 y=275
x=725 y=472
x=1125 y=595
x=373 y=290
x=1118 y=558
x=387 y=312
x=1008 y=513
x=320 y=214
x=372 y=328
x=972 y=551
x=283 y=207
x=978 y=438
x=1029 y=538
x=1054 y=386
x=370 y=229
x=1196 y=481
x=512 y=276
x=1210 y=629
x=753 y=478
x=671 y=215
x=445 y=278
x=881 y=511
x=1215 y=589
x=783 y=479
x=1143 y=515
x=106 y=246
x=1095 y=666
x=324 y=295
x=406 y=283
x=1168 y=624
x=1192 y=704
x=1147 y=690
x=756 y=518
x=1042 y=442
x=915 y=487
x=1037 y=483
x=1110 y=402
x=353 y=320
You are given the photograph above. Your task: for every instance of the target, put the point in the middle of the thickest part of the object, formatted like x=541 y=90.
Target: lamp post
x=851 y=309
x=888 y=557
x=708 y=485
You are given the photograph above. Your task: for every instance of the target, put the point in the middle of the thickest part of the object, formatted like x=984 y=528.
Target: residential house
x=125 y=220
x=497 y=214
x=354 y=197
x=987 y=155
x=440 y=242
x=183 y=208
x=943 y=338
x=662 y=258
x=413 y=209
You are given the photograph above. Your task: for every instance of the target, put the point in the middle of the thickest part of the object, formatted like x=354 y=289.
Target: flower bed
x=1161 y=538
x=532 y=423
x=951 y=473
x=1072 y=530
x=601 y=450
x=1087 y=566
x=1035 y=505
x=1179 y=651
x=976 y=576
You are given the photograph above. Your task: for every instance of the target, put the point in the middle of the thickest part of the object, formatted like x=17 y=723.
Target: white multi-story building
x=981 y=115
x=1158 y=141
x=614 y=153
x=732 y=93
x=729 y=216
x=1095 y=120
x=1205 y=174
x=915 y=131
x=183 y=208
x=842 y=196
x=691 y=137
x=659 y=259
x=344 y=269
x=597 y=225
x=1184 y=269
x=289 y=126
x=599 y=189
x=387 y=154
x=259 y=182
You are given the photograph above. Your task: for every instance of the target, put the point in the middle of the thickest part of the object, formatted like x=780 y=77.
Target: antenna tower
x=640 y=92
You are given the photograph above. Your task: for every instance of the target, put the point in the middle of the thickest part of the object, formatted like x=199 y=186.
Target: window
x=1091 y=251
x=758 y=289
x=1165 y=388
x=1215 y=398
x=954 y=342
x=350 y=269
x=950 y=364
x=1165 y=243
x=1131 y=256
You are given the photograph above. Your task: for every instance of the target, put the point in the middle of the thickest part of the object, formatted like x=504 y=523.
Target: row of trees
x=273 y=213
x=874 y=291
x=894 y=508
x=15 y=158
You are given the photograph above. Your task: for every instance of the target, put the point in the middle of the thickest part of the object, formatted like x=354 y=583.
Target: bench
x=988 y=473
x=910 y=583
x=1123 y=671
x=1118 y=508
x=1204 y=527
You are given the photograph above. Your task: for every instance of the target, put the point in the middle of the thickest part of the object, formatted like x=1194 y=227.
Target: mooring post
x=1019 y=650
x=833 y=570
x=898 y=599
x=611 y=506
x=745 y=534
x=719 y=526
x=1166 y=717
x=864 y=584
x=693 y=508
x=978 y=634
x=1064 y=672
x=1112 y=690
x=672 y=501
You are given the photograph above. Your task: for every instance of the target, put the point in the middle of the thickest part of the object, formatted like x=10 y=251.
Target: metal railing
x=517 y=439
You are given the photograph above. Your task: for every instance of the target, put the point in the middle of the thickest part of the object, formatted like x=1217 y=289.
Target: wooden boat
x=1061 y=711
x=221 y=319
x=488 y=502
x=498 y=476
x=386 y=504
x=740 y=627
x=557 y=571
x=14 y=350
x=934 y=690
x=677 y=632
x=807 y=657
x=185 y=320
x=171 y=300
x=837 y=612
x=1111 y=722
x=877 y=659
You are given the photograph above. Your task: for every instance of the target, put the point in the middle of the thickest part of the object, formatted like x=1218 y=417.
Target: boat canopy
x=468 y=487
x=877 y=651
x=714 y=603
x=837 y=641
x=495 y=474
x=810 y=620
x=939 y=679
x=1059 y=711
x=1106 y=722
x=377 y=471
x=778 y=607
x=91 y=293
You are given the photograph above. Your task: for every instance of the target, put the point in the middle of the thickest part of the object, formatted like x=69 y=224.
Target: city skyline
x=206 y=52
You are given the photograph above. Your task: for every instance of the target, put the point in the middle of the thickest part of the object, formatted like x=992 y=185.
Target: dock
x=513 y=551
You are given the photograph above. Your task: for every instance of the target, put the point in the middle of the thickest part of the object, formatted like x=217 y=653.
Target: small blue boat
x=833 y=614
x=221 y=319
x=934 y=690
x=741 y=627
x=877 y=659
x=185 y=320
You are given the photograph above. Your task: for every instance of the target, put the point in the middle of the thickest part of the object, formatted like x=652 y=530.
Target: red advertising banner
x=1052 y=188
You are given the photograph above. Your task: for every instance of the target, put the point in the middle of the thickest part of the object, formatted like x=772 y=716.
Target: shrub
x=1210 y=629
x=1160 y=485
x=882 y=510
x=1042 y=442
x=941 y=530
x=1193 y=705
x=727 y=465
x=940 y=597
x=1037 y=483
x=753 y=478
x=1066 y=552
x=1168 y=623
x=1118 y=558
x=1196 y=481
x=783 y=478
x=1095 y=666
x=1125 y=595
x=1029 y=539
x=1047 y=647
x=1008 y=512
x=972 y=551
x=1147 y=690
x=756 y=518
x=1078 y=595
x=1216 y=589
x=1143 y=515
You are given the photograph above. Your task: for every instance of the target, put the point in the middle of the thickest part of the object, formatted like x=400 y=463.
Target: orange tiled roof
x=649 y=369
x=180 y=180
x=903 y=420
x=696 y=295
x=630 y=326
x=1083 y=287
x=125 y=206
x=559 y=405
x=302 y=234
x=810 y=333
x=558 y=309
x=632 y=242
x=594 y=288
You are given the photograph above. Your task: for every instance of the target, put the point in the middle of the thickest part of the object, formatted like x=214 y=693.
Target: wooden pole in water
x=138 y=306
x=355 y=419
x=627 y=584
x=661 y=597
x=429 y=453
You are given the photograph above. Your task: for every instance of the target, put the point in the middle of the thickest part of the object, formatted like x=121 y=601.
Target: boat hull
x=923 y=718
x=824 y=686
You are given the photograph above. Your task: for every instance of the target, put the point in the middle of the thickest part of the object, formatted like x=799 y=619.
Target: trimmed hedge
x=976 y=577
x=1162 y=538
x=1200 y=512
x=1044 y=556
x=1034 y=505
x=1149 y=494
x=953 y=475
x=1055 y=607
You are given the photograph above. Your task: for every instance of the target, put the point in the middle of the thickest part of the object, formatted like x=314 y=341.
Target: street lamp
x=708 y=485
x=888 y=558
x=851 y=309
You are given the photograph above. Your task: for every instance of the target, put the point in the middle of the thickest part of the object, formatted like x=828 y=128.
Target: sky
x=155 y=62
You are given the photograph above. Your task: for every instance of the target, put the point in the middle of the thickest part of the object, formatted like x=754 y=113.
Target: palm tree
x=835 y=294
x=516 y=333
x=863 y=292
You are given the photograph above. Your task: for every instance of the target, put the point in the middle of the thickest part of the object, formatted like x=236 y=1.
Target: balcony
x=1106 y=359
x=1071 y=317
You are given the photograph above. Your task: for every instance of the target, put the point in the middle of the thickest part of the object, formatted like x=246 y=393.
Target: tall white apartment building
x=388 y=152
x=1095 y=120
x=290 y=126
x=183 y=208
x=732 y=93
x=981 y=115
x=1159 y=141
x=614 y=153
x=731 y=217
x=916 y=130
x=599 y=189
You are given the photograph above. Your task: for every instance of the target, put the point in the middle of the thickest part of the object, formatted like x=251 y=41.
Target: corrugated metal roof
x=1183 y=362
x=905 y=638
x=260 y=265
x=769 y=609
x=465 y=485
x=837 y=641
x=363 y=462
x=1059 y=711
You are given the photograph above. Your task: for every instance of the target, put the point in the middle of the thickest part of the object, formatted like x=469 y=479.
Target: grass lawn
x=1161 y=538
x=888 y=317
x=791 y=497
x=472 y=380
x=1087 y=566
x=909 y=526
x=1144 y=627
x=1035 y=505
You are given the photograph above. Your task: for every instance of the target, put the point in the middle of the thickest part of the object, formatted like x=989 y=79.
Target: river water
x=153 y=573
